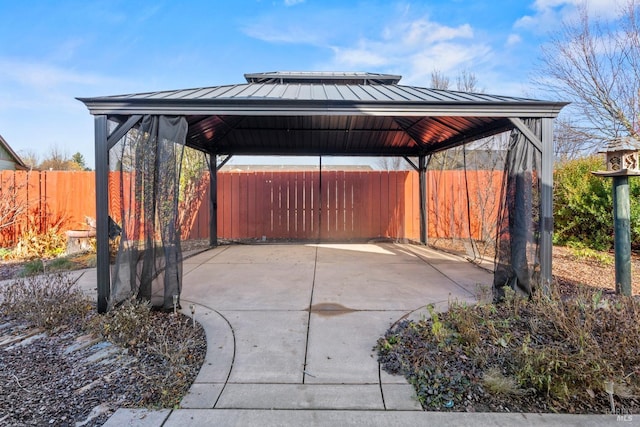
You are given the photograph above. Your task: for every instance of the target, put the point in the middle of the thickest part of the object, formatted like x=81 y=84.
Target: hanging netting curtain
x=483 y=202
x=144 y=185
x=517 y=257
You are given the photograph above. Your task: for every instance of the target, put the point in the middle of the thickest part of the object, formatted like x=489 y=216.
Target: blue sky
x=54 y=51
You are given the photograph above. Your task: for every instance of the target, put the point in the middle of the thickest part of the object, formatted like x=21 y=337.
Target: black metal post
x=102 y=213
x=622 y=234
x=213 y=200
x=422 y=178
x=546 y=206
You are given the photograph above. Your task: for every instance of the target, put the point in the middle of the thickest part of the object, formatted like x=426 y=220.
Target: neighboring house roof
x=12 y=156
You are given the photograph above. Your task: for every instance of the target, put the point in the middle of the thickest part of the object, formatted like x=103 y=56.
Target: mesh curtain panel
x=483 y=202
x=463 y=194
x=517 y=258
x=144 y=187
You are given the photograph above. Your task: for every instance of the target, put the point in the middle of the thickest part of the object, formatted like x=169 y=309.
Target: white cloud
x=405 y=43
x=548 y=14
x=292 y=2
x=425 y=31
x=293 y=33
x=513 y=39
x=354 y=58
x=449 y=58
x=33 y=86
x=417 y=47
x=44 y=76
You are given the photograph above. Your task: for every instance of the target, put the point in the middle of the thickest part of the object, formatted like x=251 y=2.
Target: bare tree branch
x=467 y=81
x=595 y=64
x=439 y=80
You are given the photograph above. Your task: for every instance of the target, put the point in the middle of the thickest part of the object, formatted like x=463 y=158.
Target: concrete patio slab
x=205 y=256
x=126 y=417
x=300 y=396
x=288 y=254
x=468 y=276
x=202 y=396
x=250 y=286
x=340 y=349
x=389 y=286
x=384 y=253
x=400 y=397
x=270 y=346
x=86 y=280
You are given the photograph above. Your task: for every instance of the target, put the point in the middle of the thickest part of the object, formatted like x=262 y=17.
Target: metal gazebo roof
x=331 y=113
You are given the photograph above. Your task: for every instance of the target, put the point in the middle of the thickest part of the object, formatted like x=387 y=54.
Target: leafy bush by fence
x=583 y=205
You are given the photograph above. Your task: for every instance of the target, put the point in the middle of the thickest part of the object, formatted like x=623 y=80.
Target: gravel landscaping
x=80 y=368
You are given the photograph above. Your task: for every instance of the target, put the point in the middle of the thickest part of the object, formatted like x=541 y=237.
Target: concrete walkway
x=291 y=330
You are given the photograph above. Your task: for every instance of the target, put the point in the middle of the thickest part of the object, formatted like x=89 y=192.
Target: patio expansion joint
x=444 y=274
x=306 y=345
x=384 y=405
x=208 y=260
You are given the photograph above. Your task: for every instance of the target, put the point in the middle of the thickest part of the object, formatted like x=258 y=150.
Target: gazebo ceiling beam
x=407 y=131
x=528 y=133
x=393 y=152
x=122 y=130
x=466 y=138
x=310 y=130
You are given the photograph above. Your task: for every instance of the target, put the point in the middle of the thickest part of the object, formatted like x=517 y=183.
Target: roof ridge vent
x=322 y=77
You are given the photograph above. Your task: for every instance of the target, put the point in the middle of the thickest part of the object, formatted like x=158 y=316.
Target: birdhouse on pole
x=622 y=162
x=622 y=158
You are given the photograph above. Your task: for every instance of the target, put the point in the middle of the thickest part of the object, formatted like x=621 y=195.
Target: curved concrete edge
x=218 y=361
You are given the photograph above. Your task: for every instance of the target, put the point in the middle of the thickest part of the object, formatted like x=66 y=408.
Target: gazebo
x=324 y=113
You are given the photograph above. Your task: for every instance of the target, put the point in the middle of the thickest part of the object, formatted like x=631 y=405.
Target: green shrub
x=34 y=244
x=33 y=267
x=583 y=205
x=66 y=263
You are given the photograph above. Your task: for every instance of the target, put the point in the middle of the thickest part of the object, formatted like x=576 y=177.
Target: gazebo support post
x=422 y=177
x=102 y=213
x=546 y=206
x=213 y=200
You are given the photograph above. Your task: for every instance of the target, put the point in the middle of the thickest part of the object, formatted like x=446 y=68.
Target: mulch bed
x=448 y=379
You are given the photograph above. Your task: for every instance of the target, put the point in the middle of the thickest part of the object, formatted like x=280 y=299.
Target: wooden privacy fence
x=33 y=200
x=300 y=205
x=332 y=205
